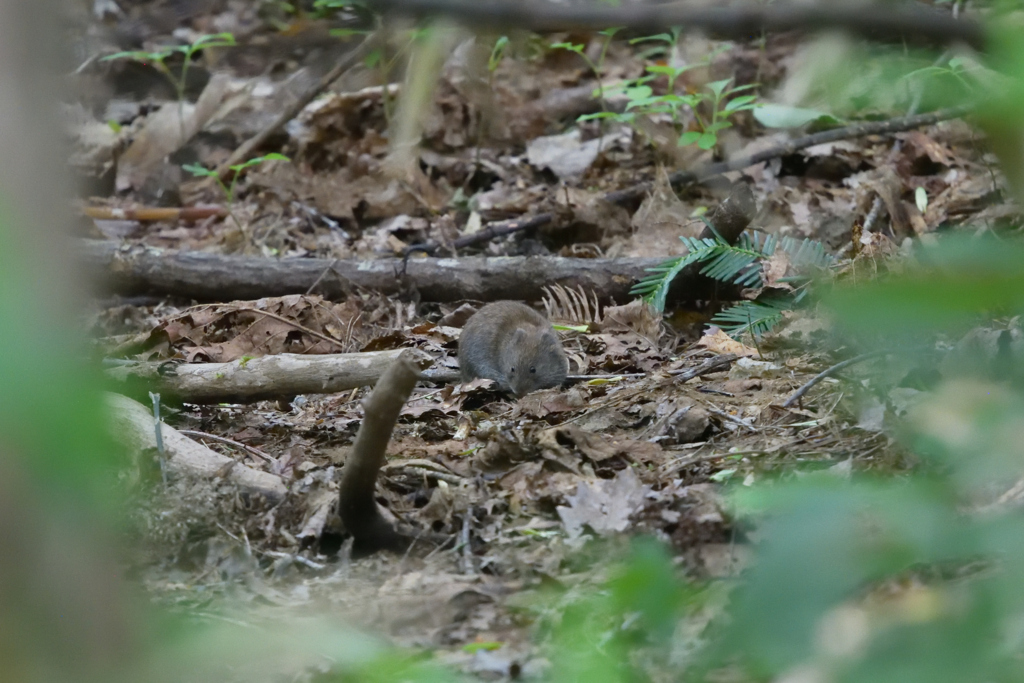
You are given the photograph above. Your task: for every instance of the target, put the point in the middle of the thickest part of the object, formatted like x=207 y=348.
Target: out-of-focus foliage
x=624 y=629
x=920 y=579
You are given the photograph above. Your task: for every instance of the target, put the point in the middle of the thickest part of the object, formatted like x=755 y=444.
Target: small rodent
x=515 y=346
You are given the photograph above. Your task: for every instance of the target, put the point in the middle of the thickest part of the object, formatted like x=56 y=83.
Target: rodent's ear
x=519 y=336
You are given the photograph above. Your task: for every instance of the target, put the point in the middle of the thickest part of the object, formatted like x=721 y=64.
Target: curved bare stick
x=357 y=504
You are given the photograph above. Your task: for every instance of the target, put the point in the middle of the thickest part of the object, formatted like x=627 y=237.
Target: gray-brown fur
x=513 y=345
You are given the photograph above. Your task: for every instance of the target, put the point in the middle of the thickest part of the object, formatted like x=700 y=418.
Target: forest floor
x=532 y=493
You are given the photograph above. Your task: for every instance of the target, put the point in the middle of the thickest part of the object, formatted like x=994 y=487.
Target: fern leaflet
x=756 y=318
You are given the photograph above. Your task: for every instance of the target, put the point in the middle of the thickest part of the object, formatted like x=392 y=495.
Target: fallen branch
x=854 y=130
x=214 y=277
x=202 y=276
x=269 y=377
x=828 y=372
x=681 y=179
x=132 y=425
x=906 y=23
x=357 y=496
x=206 y=277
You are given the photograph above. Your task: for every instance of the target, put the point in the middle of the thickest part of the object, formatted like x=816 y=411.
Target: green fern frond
x=654 y=287
x=756 y=318
x=731 y=265
x=728 y=263
x=807 y=253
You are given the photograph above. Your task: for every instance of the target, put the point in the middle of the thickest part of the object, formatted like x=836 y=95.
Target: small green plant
x=955 y=68
x=596 y=632
x=595 y=66
x=739 y=264
x=229 y=190
x=494 y=59
x=718 y=97
x=158 y=58
x=711 y=107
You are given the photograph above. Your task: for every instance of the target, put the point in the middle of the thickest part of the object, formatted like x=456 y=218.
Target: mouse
x=514 y=345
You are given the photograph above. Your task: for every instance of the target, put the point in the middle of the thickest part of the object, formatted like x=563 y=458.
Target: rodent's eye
x=512 y=370
x=533 y=371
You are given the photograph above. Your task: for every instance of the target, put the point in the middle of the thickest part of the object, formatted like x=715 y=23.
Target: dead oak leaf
x=605 y=506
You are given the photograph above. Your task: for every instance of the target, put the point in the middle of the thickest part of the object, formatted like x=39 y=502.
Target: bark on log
x=269 y=377
x=212 y=277
x=132 y=425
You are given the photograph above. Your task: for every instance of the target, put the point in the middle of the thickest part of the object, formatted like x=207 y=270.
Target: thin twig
x=153 y=213
x=621 y=375
x=715 y=364
x=467 y=547
x=246 y=149
x=159 y=435
x=854 y=130
x=213 y=437
x=425 y=472
x=731 y=418
x=294 y=558
x=679 y=464
x=321 y=276
x=799 y=393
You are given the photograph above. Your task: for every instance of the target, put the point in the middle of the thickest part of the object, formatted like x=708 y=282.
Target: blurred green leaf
x=946 y=288
x=780 y=116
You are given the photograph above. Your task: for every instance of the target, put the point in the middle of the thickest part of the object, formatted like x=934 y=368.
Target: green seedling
x=229 y=190
x=158 y=58
x=497 y=54
x=596 y=67
x=723 y=105
x=955 y=68
x=718 y=97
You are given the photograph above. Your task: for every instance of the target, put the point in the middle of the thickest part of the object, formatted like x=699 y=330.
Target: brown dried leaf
x=721 y=343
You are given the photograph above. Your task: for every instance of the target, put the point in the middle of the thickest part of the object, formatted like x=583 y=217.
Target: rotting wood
x=212 y=277
x=268 y=377
x=132 y=425
x=357 y=501
x=205 y=277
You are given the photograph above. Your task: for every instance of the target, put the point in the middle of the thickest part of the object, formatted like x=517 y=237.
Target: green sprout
x=718 y=97
x=596 y=67
x=229 y=190
x=158 y=58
